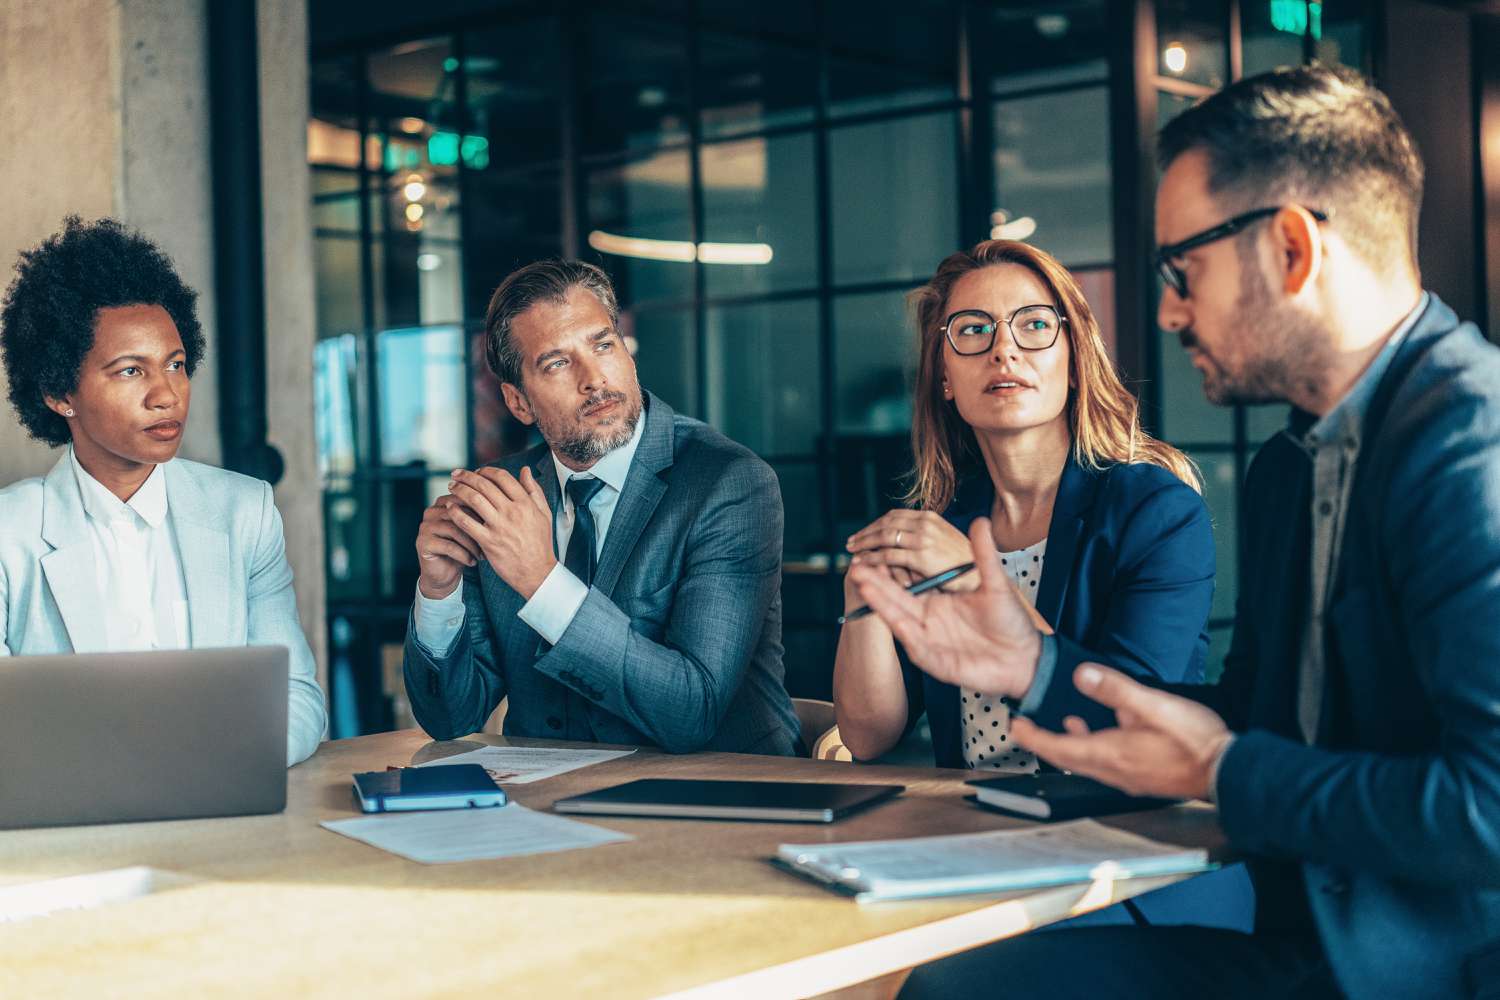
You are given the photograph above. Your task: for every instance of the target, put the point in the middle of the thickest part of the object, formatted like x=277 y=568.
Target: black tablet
x=767 y=801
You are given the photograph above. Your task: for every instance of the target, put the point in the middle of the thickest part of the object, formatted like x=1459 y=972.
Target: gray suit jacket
x=233 y=556
x=678 y=643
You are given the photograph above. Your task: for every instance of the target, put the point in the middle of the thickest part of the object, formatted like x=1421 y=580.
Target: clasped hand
x=487 y=514
x=912 y=545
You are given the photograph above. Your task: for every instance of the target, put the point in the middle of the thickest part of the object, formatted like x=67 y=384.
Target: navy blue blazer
x=1128 y=576
x=1384 y=835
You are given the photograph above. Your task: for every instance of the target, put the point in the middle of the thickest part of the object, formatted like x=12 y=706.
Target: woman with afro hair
x=124 y=546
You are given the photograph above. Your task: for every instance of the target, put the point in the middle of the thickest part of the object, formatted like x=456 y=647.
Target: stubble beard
x=1288 y=349
x=582 y=446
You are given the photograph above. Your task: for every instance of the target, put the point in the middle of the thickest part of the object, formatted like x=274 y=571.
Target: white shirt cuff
x=439 y=621
x=552 y=608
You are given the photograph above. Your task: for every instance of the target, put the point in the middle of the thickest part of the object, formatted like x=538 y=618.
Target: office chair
x=820 y=731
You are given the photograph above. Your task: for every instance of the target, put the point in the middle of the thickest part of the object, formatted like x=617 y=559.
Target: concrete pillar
x=290 y=302
x=60 y=101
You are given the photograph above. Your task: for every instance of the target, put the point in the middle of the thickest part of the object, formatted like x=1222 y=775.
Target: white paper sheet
x=520 y=765
x=448 y=835
x=83 y=892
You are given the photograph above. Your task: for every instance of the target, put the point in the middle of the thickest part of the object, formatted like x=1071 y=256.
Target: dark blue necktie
x=582 y=545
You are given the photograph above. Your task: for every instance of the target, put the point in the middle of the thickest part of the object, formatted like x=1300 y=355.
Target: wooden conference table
x=275 y=906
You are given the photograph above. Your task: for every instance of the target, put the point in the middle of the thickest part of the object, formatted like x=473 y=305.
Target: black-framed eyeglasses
x=1033 y=328
x=1173 y=275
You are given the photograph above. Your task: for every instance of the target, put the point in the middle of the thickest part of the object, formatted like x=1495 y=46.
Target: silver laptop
x=119 y=737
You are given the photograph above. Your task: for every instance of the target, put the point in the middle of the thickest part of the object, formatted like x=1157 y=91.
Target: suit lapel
x=70 y=567
x=1075 y=495
x=545 y=473
x=644 y=488
x=203 y=551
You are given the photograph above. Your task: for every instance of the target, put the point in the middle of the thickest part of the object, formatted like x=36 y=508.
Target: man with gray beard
x=618 y=583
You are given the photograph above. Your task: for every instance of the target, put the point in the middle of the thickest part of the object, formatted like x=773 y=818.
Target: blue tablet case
x=442 y=786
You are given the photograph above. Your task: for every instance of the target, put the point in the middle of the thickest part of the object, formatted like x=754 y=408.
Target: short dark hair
x=543 y=281
x=1322 y=136
x=48 y=315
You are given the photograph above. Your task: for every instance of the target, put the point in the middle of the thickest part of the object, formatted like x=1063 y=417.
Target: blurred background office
x=345 y=181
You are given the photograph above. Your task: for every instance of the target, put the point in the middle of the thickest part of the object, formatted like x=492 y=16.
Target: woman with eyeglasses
x=1020 y=417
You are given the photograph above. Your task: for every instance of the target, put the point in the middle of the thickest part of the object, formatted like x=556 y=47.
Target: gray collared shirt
x=1333 y=444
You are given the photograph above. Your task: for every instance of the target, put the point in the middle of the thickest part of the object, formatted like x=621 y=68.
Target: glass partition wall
x=765 y=184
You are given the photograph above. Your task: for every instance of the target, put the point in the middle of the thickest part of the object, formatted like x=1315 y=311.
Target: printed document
x=448 y=835
x=519 y=765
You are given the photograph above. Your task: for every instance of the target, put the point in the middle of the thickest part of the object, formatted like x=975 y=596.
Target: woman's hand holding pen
x=987 y=639
x=913 y=545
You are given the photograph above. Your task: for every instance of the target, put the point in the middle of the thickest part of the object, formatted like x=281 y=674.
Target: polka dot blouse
x=985 y=719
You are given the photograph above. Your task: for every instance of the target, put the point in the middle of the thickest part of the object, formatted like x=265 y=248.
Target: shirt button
x=1325 y=507
x=454 y=621
x=553 y=722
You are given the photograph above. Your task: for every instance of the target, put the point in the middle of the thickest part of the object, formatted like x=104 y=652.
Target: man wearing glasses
x=1353 y=744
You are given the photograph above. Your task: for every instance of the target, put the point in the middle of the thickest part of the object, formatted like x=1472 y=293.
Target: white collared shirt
x=136 y=565
x=552 y=608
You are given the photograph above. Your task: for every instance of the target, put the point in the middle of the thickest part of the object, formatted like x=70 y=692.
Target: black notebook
x=775 y=801
x=1057 y=796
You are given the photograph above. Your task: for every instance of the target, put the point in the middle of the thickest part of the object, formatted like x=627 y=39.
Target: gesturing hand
x=986 y=640
x=1164 y=745
x=509 y=520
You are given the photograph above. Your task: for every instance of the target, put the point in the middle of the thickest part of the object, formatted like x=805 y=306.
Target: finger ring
x=898 y=538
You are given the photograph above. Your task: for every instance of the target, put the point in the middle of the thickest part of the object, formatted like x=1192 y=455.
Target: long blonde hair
x=1103 y=417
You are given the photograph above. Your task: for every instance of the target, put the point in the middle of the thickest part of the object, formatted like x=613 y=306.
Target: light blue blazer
x=233 y=556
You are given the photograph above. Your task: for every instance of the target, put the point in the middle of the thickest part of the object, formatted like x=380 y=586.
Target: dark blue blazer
x=1129 y=575
x=1129 y=578
x=1384 y=835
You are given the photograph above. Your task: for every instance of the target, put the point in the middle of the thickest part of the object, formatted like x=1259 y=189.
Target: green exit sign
x=1297 y=17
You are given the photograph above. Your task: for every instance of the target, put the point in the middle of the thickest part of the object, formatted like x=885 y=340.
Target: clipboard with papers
x=991 y=862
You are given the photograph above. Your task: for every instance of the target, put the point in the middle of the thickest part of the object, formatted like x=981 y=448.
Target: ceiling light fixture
x=680 y=251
